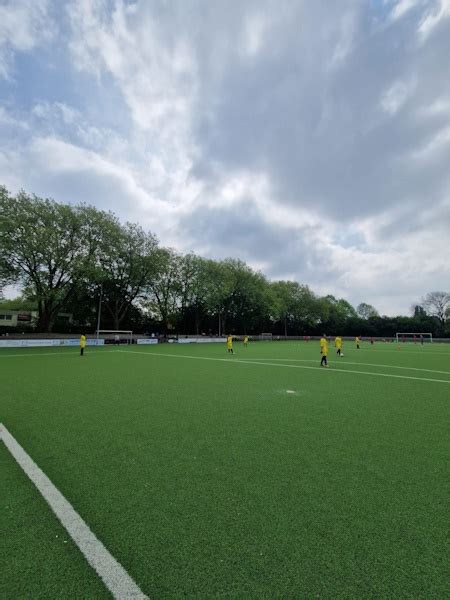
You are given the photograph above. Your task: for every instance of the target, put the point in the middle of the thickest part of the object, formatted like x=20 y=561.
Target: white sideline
x=114 y=576
x=40 y=354
x=266 y=364
x=69 y=352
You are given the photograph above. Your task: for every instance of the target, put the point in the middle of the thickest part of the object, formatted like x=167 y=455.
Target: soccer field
x=253 y=475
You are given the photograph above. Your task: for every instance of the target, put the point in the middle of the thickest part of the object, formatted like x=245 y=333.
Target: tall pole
x=99 y=310
x=219 y=322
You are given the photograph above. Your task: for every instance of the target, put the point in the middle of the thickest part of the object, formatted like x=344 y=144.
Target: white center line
x=114 y=576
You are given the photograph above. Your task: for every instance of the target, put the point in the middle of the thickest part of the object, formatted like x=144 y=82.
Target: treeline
x=66 y=257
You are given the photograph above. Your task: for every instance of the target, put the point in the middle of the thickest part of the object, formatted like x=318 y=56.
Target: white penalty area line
x=265 y=364
x=114 y=576
x=346 y=362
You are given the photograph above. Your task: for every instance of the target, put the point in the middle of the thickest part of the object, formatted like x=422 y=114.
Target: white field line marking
x=266 y=364
x=356 y=363
x=70 y=352
x=349 y=348
x=415 y=352
x=114 y=576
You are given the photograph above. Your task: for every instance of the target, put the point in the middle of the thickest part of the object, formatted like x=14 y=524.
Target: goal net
x=116 y=336
x=266 y=337
x=417 y=338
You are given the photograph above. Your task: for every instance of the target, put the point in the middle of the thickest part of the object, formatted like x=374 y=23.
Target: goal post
x=266 y=337
x=417 y=337
x=116 y=336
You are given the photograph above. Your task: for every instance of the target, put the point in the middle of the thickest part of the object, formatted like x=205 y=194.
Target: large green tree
x=126 y=260
x=297 y=306
x=163 y=288
x=198 y=288
x=45 y=248
x=335 y=313
x=247 y=303
x=366 y=311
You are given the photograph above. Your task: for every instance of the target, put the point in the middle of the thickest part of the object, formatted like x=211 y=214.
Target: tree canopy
x=64 y=257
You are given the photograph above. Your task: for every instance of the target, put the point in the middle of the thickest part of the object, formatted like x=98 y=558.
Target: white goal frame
x=113 y=332
x=405 y=334
x=266 y=337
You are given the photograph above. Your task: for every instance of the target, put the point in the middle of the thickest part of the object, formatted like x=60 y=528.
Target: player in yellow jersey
x=82 y=344
x=230 y=344
x=338 y=345
x=245 y=341
x=357 y=341
x=324 y=350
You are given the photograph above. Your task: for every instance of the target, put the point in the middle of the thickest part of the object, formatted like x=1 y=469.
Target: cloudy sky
x=309 y=138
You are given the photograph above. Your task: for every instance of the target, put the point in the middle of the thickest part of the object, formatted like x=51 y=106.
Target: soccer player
x=358 y=341
x=324 y=350
x=245 y=341
x=230 y=344
x=338 y=345
x=82 y=344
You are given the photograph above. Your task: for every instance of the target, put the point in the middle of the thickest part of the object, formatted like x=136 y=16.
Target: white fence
x=201 y=340
x=47 y=343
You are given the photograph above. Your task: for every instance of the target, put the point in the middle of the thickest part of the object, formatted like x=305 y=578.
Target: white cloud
x=56 y=157
x=155 y=71
x=6 y=118
x=438 y=143
x=402 y=7
x=433 y=18
x=439 y=107
x=254 y=124
x=396 y=96
x=24 y=24
x=346 y=34
x=254 y=34
x=56 y=110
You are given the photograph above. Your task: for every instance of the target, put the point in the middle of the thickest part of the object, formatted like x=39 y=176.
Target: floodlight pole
x=99 y=309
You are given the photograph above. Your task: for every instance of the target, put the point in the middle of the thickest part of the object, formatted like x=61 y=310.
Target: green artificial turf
x=38 y=558
x=207 y=478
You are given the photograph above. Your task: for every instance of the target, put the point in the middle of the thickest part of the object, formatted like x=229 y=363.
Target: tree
x=447 y=321
x=296 y=305
x=436 y=304
x=336 y=313
x=22 y=303
x=196 y=287
x=285 y=293
x=163 y=287
x=45 y=247
x=246 y=303
x=127 y=259
x=418 y=311
x=366 y=311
